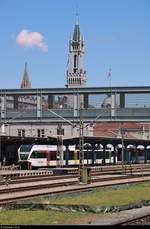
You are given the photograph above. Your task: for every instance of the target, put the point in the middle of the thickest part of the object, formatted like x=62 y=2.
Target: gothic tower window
x=75 y=62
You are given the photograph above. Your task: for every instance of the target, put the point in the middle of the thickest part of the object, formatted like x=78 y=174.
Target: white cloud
x=31 y=39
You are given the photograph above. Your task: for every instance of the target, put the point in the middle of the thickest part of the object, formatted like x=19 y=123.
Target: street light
x=2 y=133
x=60 y=146
x=122 y=143
x=81 y=146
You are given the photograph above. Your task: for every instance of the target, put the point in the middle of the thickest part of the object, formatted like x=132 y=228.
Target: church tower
x=76 y=76
x=25 y=81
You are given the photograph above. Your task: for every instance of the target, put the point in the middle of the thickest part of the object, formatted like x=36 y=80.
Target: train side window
x=108 y=154
x=85 y=154
x=71 y=155
x=53 y=155
x=41 y=154
x=36 y=154
x=99 y=154
x=89 y=154
x=33 y=155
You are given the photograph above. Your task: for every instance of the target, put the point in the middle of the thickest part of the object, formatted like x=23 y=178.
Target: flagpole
x=110 y=88
x=109 y=76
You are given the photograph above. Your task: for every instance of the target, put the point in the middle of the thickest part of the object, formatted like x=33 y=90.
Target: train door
x=48 y=154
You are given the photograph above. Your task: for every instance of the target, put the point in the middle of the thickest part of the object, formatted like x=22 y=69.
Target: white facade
x=42 y=130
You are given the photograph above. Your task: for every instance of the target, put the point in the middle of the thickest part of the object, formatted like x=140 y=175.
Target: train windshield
x=25 y=148
x=24 y=151
x=39 y=154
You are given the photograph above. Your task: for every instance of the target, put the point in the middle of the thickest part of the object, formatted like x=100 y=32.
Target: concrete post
x=104 y=155
x=113 y=102
x=3 y=106
x=114 y=155
x=67 y=155
x=39 y=106
x=93 y=153
x=86 y=100
x=145 y=156
x=50 y=101
x=75 y=105
x=16 y=102
x=122 y=100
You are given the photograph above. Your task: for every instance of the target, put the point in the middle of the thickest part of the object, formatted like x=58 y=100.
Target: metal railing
x=128 y=114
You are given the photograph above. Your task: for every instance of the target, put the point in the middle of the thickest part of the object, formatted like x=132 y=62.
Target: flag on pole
x=109 y=73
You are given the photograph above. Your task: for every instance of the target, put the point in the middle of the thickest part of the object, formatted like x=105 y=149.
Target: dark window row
x=72 y=155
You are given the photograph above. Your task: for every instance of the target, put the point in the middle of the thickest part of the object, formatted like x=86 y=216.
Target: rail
x=10 y=167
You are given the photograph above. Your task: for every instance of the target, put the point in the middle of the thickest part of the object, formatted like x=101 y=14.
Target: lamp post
x=122 y=143
x=59 y=146
x=2 y=133
x=81 y=147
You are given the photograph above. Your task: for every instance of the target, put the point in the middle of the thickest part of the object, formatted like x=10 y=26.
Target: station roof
x=105 y=140
x=16 y=140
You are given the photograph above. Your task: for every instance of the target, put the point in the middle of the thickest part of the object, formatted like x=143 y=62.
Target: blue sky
x=116 y=33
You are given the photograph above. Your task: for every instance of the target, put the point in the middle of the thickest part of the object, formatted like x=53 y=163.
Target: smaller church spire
x=25 y=80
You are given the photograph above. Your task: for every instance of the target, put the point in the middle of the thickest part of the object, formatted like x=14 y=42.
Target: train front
x=23 y=154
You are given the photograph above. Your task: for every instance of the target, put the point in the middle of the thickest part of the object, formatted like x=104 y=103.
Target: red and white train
x=43 y=156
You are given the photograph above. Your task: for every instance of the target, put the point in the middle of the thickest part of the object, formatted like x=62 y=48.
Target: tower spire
x=25 y=80
x=76 y=76
x=77 y=15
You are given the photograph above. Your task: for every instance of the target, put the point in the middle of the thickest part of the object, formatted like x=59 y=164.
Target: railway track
x=135 y=219
x=70 y=180
x=8 y=179
x=29 y=179
x=100 y=176
x=135 y=216
x=13 y=192
x=142 y=220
